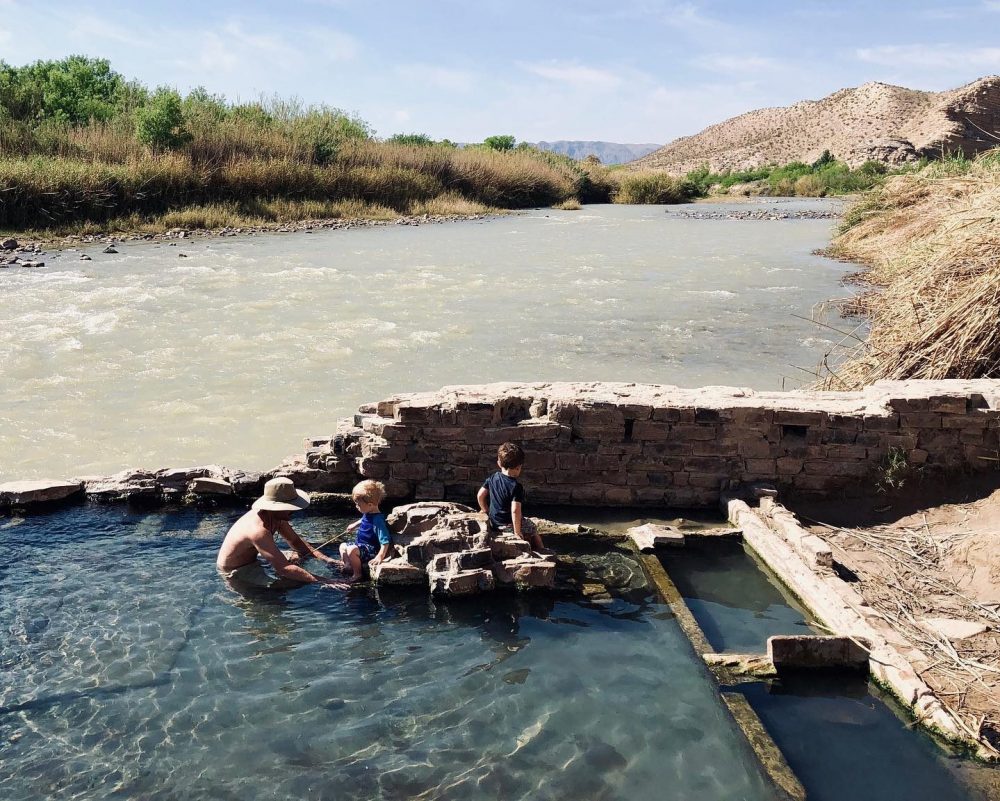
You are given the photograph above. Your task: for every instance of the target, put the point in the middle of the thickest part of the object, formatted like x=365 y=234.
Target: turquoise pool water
x=130 y=671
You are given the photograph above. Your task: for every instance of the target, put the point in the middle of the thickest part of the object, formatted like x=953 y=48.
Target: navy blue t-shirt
x=503 y=490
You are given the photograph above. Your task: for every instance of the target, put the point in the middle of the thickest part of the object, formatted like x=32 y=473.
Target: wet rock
x=398 y=572
x=466 y=582
x=109 y=249
x=9 y=244
x=85 y=257
x=21 y=493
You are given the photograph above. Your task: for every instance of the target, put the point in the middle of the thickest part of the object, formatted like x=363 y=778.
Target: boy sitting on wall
x=501 y=497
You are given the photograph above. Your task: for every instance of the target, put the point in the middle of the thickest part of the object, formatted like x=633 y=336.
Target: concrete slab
x=649 y=536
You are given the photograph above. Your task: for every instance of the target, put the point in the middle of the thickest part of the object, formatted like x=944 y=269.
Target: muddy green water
x=234 y=353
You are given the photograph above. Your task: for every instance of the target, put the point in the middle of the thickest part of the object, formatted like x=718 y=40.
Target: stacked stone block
x=649 y=445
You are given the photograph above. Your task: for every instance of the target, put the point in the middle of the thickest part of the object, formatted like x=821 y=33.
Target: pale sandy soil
x=929 y=569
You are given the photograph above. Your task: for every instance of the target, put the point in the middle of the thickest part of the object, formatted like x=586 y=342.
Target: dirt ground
x=928 y=561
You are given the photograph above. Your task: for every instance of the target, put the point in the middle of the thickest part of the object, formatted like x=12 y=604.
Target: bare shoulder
x=249 y=526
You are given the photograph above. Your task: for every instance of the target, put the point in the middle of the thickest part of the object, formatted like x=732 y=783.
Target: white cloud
x=937 y=56
x=576 y=76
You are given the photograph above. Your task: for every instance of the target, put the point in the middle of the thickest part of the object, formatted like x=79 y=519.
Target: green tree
x=160 y=123
x=418 y=140
x=500 y=142
x=72 y=90
x=826 y=157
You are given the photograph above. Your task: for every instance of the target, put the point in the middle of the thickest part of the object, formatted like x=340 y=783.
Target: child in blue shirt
x=373 y=542
x=501 y=497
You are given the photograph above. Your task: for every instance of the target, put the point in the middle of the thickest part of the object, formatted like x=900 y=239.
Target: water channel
x=235 y=352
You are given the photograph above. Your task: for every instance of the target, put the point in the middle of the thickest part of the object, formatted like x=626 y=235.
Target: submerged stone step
x=18 y=493
x=650 y=535
x=817 y=651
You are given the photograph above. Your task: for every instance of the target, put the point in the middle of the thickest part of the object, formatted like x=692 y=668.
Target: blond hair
x=369 y=491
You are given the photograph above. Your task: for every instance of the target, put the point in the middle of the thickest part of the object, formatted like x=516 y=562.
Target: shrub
x=650 y=188
x=160 y=123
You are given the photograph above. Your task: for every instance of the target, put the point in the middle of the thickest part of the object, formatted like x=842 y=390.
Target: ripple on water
x=142 y=673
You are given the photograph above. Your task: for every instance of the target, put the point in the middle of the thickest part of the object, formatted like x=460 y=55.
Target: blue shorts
x=366 y=552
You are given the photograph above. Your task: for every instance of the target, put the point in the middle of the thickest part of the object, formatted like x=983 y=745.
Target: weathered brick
x=755 y=448
x=909 y=404
x=674 y=414
x=831 y=468
x=788 y=465
x=688 y=431
x=846 y=452
x=398 y=488
x=619 y=496
x=588 y=493
x=919 y=420
x=707 y=464
x=971 y=436
x=794 y=417
x=650 y=495
x=900 y=441
x=650 y=430
x=637 y=479
x=705 y=480
x=751 y=417
x=429 y=491
x=714 y=447
x=369 y=468
x=666 y=450
x=415 y=471
x=949 y=404
x=656 y=479
x=600 y=417
x=571 y=461
x=881 y=422
x=760 y=466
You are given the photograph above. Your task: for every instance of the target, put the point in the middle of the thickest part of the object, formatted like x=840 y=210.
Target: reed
x=932 y=287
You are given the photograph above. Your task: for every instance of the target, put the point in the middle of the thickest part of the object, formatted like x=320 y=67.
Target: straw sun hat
x=280 y=495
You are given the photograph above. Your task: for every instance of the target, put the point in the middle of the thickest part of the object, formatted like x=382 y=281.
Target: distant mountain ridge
x=607 y=152
x=875 y=121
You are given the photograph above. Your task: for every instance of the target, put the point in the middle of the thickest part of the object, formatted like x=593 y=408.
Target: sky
x=616 y=70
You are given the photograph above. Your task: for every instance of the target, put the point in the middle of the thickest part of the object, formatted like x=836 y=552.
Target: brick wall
x=643 y=445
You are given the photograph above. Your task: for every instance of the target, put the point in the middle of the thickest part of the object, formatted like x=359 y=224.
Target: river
x=245 y=345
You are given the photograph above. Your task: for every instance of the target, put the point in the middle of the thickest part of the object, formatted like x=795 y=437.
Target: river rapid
x=235 y=351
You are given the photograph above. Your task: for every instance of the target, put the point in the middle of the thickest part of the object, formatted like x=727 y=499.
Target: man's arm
x=301 y=547
x=267 y=548
x=483 y=496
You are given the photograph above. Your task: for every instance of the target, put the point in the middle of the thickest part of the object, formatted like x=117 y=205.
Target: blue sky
x=617 y=70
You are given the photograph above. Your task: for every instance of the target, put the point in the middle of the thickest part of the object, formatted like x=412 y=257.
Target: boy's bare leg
x=352 y=556
x=345 y=562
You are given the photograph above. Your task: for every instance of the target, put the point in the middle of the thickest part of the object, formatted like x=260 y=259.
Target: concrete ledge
x=812 y=652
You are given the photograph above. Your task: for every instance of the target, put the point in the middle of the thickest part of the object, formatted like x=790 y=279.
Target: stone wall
x=650 y=445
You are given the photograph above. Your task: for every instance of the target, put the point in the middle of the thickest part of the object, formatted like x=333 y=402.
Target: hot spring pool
x=130 y=671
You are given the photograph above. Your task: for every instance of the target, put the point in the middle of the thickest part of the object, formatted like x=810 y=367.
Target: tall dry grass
x=931 y=242
x=55 y=176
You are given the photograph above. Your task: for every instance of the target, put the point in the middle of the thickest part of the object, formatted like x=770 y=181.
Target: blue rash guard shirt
x=503 y=490
x=372 y=534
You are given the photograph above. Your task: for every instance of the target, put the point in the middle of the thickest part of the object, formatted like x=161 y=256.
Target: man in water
x=253 y=535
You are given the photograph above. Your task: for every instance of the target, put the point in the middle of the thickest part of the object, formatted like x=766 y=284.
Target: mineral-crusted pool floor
x=130 y=671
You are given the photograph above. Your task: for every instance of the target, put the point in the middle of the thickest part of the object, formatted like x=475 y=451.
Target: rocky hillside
x=607 y=152
x=874 y=121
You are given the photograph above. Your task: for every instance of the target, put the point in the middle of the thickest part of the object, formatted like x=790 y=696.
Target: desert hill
x=607 y=152
x=877 y=121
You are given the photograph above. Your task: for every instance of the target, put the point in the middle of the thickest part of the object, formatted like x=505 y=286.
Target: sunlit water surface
x=234 y=353
x=130 y=671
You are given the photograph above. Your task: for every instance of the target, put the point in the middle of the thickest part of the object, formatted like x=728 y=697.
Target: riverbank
x=30 y=251
x=931 y=250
